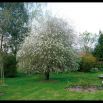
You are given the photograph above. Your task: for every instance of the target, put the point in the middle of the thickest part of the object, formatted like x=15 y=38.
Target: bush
x=99 y=65
x=88 y=61
x=94 y=70
x=9 y=65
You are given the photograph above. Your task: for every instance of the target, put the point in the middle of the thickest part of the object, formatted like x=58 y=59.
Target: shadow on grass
x=64 y=79
x=53 y=78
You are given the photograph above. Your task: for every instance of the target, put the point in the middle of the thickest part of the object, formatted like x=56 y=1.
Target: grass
x=35 y=88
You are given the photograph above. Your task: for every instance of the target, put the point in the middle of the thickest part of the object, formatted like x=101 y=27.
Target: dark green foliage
x=13 y=24
x=9 y=65
x=99 y=65
x=98 y=50
x=88 y=62
x=13 y=16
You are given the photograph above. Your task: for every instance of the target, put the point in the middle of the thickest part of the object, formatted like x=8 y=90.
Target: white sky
x=83 y=16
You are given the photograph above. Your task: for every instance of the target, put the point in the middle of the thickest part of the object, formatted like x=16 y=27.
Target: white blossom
x=49 y=46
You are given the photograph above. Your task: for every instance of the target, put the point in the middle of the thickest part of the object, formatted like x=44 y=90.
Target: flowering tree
x=48 y=48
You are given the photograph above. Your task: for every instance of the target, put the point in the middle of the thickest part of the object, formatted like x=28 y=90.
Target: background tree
x=48 y=48
x=14 y=19
x=98 y=50
x=15 y=22
x=87 y=41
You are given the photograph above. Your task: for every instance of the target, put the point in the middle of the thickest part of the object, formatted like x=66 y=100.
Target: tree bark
x=1 y=42
x=47 y=75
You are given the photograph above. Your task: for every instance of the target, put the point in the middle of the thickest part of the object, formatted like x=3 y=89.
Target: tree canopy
x=98 y=50
x=13 y=23
x=48 y=48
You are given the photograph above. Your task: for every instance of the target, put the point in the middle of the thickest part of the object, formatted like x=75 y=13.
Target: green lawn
x=34 y=88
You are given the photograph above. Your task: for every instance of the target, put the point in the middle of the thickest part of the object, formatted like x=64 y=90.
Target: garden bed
x=84 y=88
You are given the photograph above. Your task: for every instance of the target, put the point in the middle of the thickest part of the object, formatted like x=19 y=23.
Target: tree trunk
x=1 y=42
x=47 y=75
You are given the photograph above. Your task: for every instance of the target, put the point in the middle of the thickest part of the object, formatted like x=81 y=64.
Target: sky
x=82 y=16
